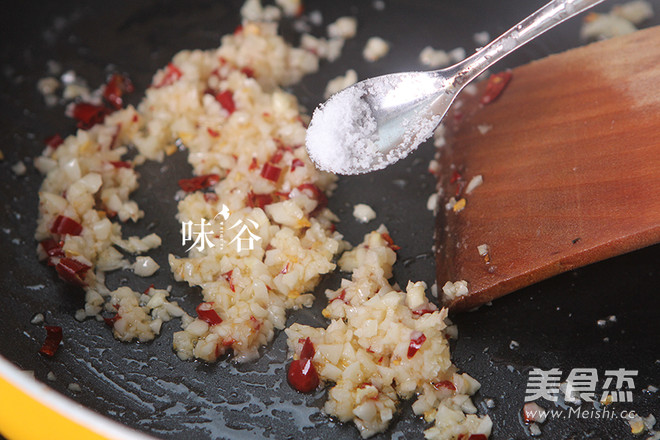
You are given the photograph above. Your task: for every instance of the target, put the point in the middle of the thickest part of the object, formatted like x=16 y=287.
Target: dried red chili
x=52 y=248
x=54 y=141
x=256 y=324
x=271 y=172
x=259 y=200
x=307 y=351
x=340 y=297
x=199 y=182
x=429 y=309
x=172 y=74
x=115 y=88
x=121 y=164
x=89 y=115
x=111 y=321
x=281 y=146
x=207 y=313
x=390 y=242
x=226 y=100
x=277 y=157
x=66 y=225
x=248 y=71
x=495 y=86
x=314 y=193
x=211 y=197
x=228 y=342
x=296 y=163
x=444 y=384
x=416 y=341
x=72 y=271
x=53 y=339
x=115 y=136
x=302 y=374
x=228 y=277
x=253 y=165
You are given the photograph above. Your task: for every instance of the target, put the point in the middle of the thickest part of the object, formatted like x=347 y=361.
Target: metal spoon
x=378 y=121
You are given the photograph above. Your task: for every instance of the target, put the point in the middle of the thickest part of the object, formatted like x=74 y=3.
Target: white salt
x=343 y=133
x=344 y=136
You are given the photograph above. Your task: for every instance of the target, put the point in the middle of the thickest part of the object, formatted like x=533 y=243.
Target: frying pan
x=145 y=386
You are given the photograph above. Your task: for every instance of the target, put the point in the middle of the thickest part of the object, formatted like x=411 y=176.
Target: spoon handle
x=549 y=16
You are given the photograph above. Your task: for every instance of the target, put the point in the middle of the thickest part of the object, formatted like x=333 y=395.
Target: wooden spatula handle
x=570 y=159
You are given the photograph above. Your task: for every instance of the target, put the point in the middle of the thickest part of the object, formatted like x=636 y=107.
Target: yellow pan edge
x=31 y=410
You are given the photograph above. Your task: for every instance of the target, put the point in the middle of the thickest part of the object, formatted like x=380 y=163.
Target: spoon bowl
x=378 y=121
x=376 y=118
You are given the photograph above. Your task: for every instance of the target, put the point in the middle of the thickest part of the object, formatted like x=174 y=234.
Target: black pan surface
x=145 y=386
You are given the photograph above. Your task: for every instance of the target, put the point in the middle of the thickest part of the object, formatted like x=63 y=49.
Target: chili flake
x=72 y=271
x=66 y=225
x=207 y=313
x=115 y=88
x=172 y=74
x=495 y=86
x=53 y=339
x=89 y=115
x=302 y=375
x=199 y=182
x=226 y=100
x=271 y=172
x=416 y=341
x=54 y=141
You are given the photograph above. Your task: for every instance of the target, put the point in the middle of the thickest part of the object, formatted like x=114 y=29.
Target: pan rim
x=68 y=419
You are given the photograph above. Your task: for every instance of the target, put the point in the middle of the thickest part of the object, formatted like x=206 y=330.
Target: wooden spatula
x=570 y=159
